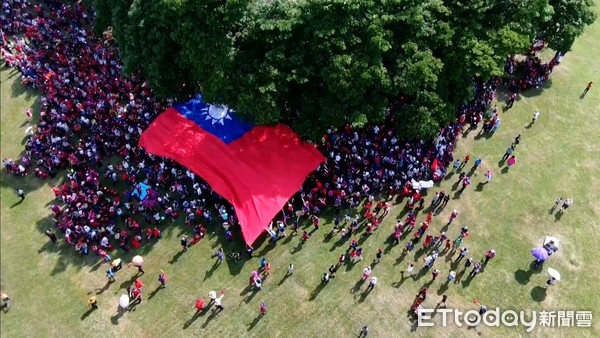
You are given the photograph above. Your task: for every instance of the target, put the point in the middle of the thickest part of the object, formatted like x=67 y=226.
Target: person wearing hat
x=93 y=303
x=7 y=300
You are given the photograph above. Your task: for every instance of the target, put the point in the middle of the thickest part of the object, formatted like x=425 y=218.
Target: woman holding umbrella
x=540 y=254
x=123 y=303
x=138 y=261
x=554 y=277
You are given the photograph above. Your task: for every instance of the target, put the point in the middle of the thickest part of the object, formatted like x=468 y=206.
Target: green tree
x=568 y=19
x=321 y=63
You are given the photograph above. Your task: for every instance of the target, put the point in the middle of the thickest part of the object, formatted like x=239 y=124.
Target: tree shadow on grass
x=539 y=293
x=50 y=247
x=538 y=90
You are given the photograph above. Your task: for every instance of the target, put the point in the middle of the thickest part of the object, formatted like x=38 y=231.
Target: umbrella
x=539 y=253
x=554 y=274
x=124 y=301
x=137 y=260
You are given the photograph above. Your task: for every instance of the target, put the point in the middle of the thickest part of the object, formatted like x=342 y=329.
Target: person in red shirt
x=138 y=284
x=137 y=295
x=587 y=89
x=199 y=304
x=305 y=236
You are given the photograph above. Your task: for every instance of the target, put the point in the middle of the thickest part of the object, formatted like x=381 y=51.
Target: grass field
x=558 y=156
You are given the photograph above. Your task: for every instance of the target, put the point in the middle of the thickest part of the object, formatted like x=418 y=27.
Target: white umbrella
x=137 y=260
x=124 y=301
x=554 y=274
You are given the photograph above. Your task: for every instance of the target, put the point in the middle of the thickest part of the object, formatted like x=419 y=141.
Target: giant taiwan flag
x=257 y=169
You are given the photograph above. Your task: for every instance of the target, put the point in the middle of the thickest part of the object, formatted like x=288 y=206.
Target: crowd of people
x=91 y=112
x=92 y=117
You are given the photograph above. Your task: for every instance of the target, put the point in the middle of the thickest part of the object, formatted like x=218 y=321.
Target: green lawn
x=558 y=156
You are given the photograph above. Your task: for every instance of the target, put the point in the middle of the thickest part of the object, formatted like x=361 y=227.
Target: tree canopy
x=321 y=63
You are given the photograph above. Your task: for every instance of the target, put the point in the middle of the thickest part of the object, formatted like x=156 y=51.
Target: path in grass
x=558 y=156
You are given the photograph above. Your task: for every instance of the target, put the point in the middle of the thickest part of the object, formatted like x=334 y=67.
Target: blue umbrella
x=539 y=253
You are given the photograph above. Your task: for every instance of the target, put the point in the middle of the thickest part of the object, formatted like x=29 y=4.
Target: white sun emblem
x=217 y=114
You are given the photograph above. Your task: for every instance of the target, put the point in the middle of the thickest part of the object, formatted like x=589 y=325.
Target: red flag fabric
x=435 y=164
x=257 y=169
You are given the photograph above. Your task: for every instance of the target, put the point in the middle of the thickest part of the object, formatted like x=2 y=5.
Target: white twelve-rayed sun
x=217 y=114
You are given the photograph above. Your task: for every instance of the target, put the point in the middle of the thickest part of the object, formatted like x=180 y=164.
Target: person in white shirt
x=536 y=114
x=218 y=305
x=372 y=283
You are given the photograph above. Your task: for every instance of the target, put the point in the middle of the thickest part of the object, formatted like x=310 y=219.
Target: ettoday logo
x=497 y=317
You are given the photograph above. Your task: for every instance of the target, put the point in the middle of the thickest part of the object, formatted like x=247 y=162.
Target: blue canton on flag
x=217 y=120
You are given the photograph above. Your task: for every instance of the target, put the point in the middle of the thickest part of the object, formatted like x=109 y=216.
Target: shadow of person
x=364 y=295
x=443 y=288
x=316 y=291
x=212 y=269
x=522 y=276
x=539 y=293
x=255 y=322
x=128 y=282
x=558 y=215
x=297 y=248
x=49 y=246
x=195 y=317
x=214 y=313
x=104 y=288
x=87 y=313
x=16 y=203
x=176 y=257
x=115 y=319
x=158 y=288
x=252 y=294
x=287 y=275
